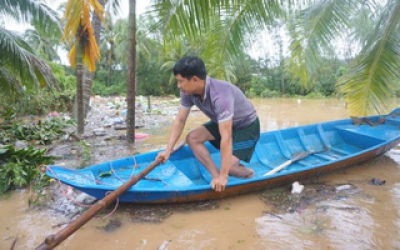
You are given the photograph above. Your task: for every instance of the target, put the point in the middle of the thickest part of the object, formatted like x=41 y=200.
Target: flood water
x=368 y=220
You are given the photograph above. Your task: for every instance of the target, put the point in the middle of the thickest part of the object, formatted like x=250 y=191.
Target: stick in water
x=54 y=240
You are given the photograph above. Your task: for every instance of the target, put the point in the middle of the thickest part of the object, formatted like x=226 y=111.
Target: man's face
x=185 y=85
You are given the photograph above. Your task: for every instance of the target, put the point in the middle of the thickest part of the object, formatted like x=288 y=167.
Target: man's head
x=190 y=74
x=190 y=66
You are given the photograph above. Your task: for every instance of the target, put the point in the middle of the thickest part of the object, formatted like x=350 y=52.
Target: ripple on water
x=396 y=200
x=333 y=224
x=31 y=226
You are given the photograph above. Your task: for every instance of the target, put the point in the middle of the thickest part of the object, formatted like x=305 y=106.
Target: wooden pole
x=54 y=240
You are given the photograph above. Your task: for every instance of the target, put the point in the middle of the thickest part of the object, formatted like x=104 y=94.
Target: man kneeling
x=234 y=127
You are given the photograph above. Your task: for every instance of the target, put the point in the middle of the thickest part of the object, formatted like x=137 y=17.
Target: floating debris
x=297 y=188
x=283 y=200
x=112 y=225
x=343 y=187
x=158 y=213
x=377 y=182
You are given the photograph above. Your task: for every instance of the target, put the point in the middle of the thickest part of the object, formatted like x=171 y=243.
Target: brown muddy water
x=366 y=217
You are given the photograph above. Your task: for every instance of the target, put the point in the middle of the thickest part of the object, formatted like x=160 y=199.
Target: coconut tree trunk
x=131 y=93
x=79 y=90
x=110 y=60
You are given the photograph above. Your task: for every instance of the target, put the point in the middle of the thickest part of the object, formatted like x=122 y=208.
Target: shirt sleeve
x=186 y=101
x=224 y=106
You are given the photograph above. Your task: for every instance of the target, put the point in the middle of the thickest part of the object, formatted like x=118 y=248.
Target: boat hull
x=331 y=145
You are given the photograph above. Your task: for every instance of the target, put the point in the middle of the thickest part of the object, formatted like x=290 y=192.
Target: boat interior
x=325 y=143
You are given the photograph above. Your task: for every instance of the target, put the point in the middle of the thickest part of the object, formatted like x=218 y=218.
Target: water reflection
x=329 y=225
x=350 y=227
x=368 y=218
x=396 y=200
x=26 y=226
x=282 y=232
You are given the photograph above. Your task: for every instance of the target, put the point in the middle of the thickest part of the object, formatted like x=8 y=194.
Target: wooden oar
x=296 y=157
x=54 y=240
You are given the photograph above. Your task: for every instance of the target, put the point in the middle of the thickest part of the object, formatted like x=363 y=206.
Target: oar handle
x=296 y=157
x=280 y=167
x=54 y=240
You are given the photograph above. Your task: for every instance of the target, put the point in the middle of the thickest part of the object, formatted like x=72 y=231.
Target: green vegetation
x=20 y=167
x=85 y=151
x=41 y=133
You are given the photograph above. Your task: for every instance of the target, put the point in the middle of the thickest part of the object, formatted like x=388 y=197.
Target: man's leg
x=244 y=143
x=238 y=170
x=196 y=139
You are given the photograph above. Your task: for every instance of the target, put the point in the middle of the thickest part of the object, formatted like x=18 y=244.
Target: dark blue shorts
x=244 y=140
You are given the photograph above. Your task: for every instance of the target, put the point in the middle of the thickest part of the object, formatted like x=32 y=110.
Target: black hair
x=190 y=66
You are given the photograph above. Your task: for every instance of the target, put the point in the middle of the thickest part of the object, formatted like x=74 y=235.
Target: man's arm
x=225 y=129
x=177 y=128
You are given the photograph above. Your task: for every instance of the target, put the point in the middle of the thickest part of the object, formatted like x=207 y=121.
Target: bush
x=115 y=89
x=19 y=167
x=266 y=93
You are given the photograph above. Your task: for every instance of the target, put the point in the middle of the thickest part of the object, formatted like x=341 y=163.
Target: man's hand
x=163 y=156
x=219 y=183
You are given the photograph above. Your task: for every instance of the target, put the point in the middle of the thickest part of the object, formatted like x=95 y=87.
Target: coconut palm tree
x=313 y=28
x=21 y=69
x=78 y=31
x=120 y=37
x=107 y=48
x=131 y=86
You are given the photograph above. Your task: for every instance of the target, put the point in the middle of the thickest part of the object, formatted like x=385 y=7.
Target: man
x=234 y=127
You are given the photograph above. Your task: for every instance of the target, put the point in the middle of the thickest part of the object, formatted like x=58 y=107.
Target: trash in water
x=297 y=188
x=343 y=187
x=118 y=120
x=377 y=182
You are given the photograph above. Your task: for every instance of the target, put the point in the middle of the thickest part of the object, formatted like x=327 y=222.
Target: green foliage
x=115 y=89
x=19 y=167
x=266 y=93
x=150 y=80
x=43 y=132
x=38 y=194
x=8 y=114
x=41 y=100
x=314 y=95
x=66 y=79
x=22 y=70
x=85 y=152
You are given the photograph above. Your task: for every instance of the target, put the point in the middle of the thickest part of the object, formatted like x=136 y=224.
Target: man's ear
x=195 y=78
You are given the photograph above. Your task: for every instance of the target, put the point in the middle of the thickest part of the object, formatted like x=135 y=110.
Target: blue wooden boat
x=281 y=157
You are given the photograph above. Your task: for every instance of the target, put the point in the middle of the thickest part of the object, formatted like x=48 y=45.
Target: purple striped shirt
x=222 y=101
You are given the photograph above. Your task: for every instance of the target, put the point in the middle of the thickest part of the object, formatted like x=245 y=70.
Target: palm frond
x=42 y=44
x=78 y=29
x=373 y=76
x=40 y=15
x=313 y=31
x=9 y=84
x=19 y=60
x=219 y=29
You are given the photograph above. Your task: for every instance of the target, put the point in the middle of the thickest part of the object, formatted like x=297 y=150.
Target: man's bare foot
x=241 y=172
